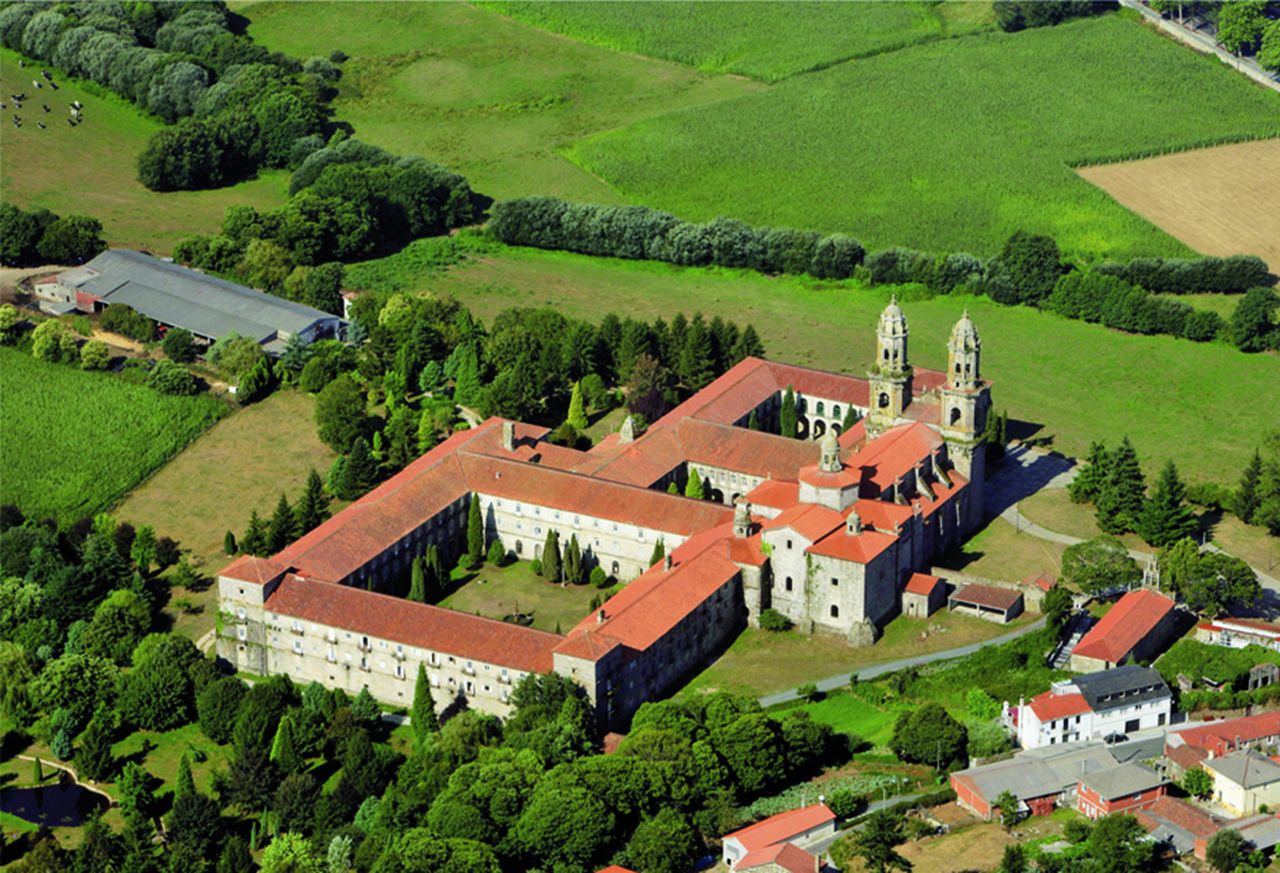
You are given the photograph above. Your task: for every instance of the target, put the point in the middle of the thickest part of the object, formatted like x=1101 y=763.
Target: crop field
x=71 y=442
x=1195 y=403
x=764 y=40
x=492 y=98
x=90 y=168
x=1219 y=201
x=951 y=145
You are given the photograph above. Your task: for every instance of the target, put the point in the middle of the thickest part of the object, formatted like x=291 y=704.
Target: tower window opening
x=835 y=611
x=884 y=400
x=955 y=415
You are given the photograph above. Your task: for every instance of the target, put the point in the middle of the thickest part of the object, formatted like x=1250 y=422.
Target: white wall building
x=1095 y=706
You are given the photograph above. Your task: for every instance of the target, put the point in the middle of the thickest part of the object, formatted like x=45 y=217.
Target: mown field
x=947 y=146
x=91 y=168
x=72 y=443
x=1196 y=403
x=764 y=40
x=493 y=98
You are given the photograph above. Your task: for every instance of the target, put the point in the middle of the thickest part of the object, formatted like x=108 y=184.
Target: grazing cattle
x=40 y=124
x=47 y=75
x=46 y=107
x=53 y=85
x=71 y=123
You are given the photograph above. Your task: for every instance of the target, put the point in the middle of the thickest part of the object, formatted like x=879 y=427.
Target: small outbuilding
x=923 y=595
x=1119 y=789
x=1001 y=605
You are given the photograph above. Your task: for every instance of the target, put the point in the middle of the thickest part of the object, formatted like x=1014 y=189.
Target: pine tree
x=417 y=581
x=280 y=531
x=659 y=552
x=422 y=716
x=1247 y=497
x=229 y=543
x=359 y=473
x=313 y=506
x=94 y=759
x=787 y=421
x=697 y=359
x=185 y=783
x=254 y=541
x=748 y=345
x=427 y=438
x=1166 y=518
x=753 y=421
x=577 y=414
x=1121 y=499
x=551 y=557
x=284 y=752
x=1087 y=484
x=693 y=486
x=475 y=532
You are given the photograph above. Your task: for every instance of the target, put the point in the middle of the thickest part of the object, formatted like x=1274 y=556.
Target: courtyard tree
x=787 y=419
x=1099 y=564
x=475 y=532
x=694 y=487
x=551 y=557
x=417 y=580
x=1197 y=782
x=876 y=844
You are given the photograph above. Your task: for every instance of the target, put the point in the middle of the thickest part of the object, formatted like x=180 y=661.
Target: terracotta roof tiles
x=782 y=827
x=1124 y=626
x=988 y=595
x=922 y=583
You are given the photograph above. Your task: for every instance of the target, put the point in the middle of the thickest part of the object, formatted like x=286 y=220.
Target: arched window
x=884 y=400
x=615 y=568
x=519 y=547
x=819 y=427
x=835 y=410
x=821 y=406
x=835 y=429
x=835 y=611
x=788 y=583
x=955 y=414
x=537 y=552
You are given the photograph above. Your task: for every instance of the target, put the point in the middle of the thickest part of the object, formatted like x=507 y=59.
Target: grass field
x=1220 y=201
x=490 y=97
x=72 y=443
x=760 y=662
x=91 y=168
x=947 y=146
x=997 y=551
x=498 y=591
x=764 y=40
x=1196 y=403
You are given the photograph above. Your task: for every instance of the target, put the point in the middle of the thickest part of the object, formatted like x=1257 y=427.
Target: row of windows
x=518 y=509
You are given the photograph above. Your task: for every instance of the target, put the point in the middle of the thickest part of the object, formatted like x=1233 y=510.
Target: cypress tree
x=1121 y=498
x=753 y=421
x=94 y=759
x=284 y=753
x=185 y=783
x=280 y=531
x=1166 y=518
x=497 y=553
x=787 y=421
x=417 y=581
x=313 y=506
x=551 y=557
x=1247 y=497
x=437 y=574
x=577 y=414
x=229 y=543
x=673 y=488
x=693 y=486
x=376 y=448
x=37 y=770
x=254 y=541
x=422 y=717
x=475 y=532
x=851 y=417
x=659 y=552
x=1087 y=484
x=573 y=562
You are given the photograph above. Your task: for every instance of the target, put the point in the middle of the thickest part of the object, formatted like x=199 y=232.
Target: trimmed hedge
x=1208 y=275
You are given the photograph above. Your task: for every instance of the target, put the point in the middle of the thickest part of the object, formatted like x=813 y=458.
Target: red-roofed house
x=923 y=595
x=1237 y=633
x=1194 y=744
x=1095 y=706
x=779 y=840
x=842 y=525
x=1137 y=628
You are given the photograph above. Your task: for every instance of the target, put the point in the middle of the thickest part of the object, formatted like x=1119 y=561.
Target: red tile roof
x=988 y=595
x=782 y=827
x=1220 y=737
x=1124 y=626
x=895 y=453
x=922 y=583
x=786 y=856
x=1194 y=820
x=615 y=869
x=258 y=571
x=775 y=493
x=1186 y=757
x=845 y=477
x=861 y=547
x=415 y=624
x=809 y=520
x=1049 y=706
x=1043 y=581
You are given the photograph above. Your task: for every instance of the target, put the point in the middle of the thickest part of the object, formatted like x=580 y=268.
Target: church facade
x=825 y=529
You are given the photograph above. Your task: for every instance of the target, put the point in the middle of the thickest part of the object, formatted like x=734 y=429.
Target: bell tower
x=890 y=375
x=966 y=401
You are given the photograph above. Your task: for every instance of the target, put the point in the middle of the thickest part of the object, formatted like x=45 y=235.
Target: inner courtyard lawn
x=495 y=592
x=492 y=98
x=1196 y=403
x=91 y=168
x=760 y=662
x=948 y=146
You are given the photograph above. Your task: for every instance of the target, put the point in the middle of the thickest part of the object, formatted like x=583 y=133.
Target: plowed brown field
x=1219 y=201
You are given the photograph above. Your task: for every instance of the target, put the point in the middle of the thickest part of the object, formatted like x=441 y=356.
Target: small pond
x=64 y=804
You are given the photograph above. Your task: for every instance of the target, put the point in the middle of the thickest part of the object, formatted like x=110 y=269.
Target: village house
x=1041 y=779
x=826 y=531
x=777 y=842
x=1120 y=789
x=1137 y=628
x=1244 y=781
x=1236 y=633
x=1190 y=746
x=1109 y=703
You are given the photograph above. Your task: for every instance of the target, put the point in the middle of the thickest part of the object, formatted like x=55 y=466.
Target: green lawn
x=764 y=40
x=91 y=168
x=851 y=715
x=1075 y=382
x=490 y=97
x=72 y=443
x=998 y=551
x=495 y=592
x=951 y=145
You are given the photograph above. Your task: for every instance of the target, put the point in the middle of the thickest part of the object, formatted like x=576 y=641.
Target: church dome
x=892 y=320
x=964 y=328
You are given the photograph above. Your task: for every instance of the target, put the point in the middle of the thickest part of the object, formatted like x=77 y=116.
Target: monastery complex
x=826 y=529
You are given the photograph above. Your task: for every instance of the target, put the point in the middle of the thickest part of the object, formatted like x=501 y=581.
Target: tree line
x=38 y=236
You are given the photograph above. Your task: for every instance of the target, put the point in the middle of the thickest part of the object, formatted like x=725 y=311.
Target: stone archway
x=802 y=427
x=819 y=428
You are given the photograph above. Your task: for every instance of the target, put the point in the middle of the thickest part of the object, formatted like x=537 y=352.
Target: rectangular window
x=240 y=613
x=834 y=581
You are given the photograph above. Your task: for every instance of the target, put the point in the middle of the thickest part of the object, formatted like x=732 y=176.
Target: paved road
x=875 y=670
x=1206 y=43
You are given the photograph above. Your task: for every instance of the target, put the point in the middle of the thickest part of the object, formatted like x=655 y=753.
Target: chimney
x=600 y=617
x=853 y=524
x=666 y=565
x=509 y=436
